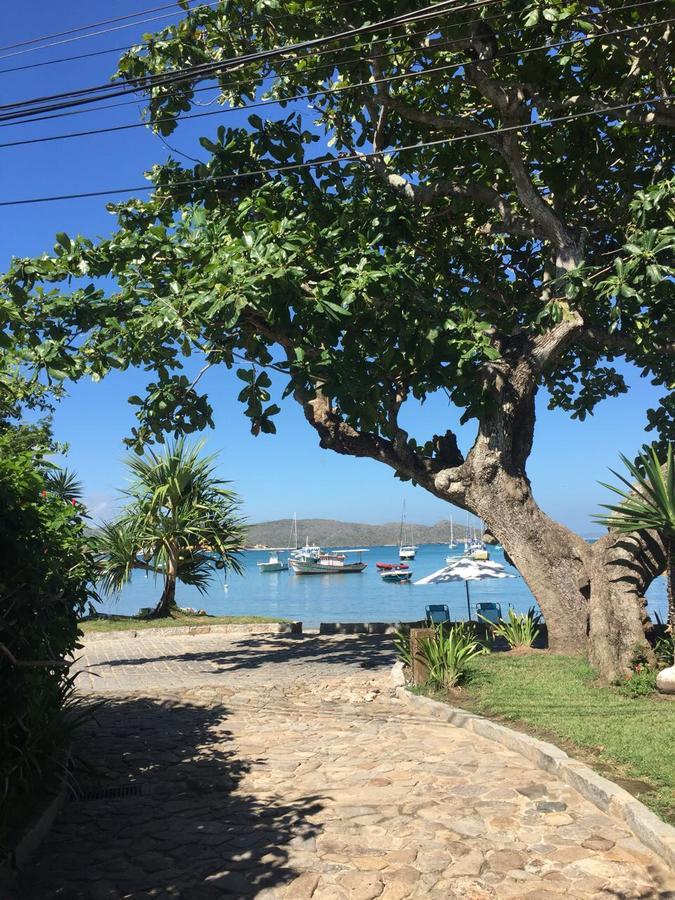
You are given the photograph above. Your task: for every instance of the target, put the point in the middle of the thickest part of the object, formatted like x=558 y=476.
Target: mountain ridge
x=335 y=533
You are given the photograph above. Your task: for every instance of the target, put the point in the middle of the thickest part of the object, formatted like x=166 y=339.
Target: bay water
x=360 y=597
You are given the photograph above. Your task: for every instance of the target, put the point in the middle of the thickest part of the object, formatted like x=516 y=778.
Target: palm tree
x=649 y=503
x=180 y=521
x=64 y=484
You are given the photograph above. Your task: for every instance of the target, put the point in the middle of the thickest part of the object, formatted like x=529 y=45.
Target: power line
x=216 y=179
x=172 y=6
x=126 y=47
x=78 y=112
x=318 y=93
x=190 y=72
x=46 y=37
x=509 y=53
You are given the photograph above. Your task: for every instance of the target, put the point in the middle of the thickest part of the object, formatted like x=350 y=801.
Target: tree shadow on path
x=178 y=826
x=363 y=652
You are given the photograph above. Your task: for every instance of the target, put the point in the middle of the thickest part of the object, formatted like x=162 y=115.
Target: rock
x=550 y=806
x=397 y=676
x=361 y=885
x=302 y=887
x=665 y=680
x=533 y=791
x=505 y=860
x=595 y=842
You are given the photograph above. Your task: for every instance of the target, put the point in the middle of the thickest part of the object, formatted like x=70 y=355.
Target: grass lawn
x=136 y=623
x=558 y=698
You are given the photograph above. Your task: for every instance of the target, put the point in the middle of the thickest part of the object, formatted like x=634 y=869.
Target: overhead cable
x=351 y=157
x=418 y=73
x=127 y=47
x=198 y=71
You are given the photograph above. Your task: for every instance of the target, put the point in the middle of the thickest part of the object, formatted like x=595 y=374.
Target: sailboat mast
x=400 y=537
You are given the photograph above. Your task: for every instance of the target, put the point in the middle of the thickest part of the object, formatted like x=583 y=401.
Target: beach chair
x=437 y=614
x=490 y=611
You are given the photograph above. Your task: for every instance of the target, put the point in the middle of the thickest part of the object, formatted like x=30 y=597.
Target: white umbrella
x=466 y=570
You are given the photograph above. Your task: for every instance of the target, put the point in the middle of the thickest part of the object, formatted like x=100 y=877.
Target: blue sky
x=275 y=475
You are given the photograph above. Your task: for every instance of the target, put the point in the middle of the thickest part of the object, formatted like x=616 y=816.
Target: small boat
x=314 y=561
x=397 y=576
x=273 y=564
x=452 y=544
x=388 y=567
x=405 y=551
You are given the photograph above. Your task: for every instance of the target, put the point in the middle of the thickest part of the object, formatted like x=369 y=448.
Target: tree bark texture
x=168 y=599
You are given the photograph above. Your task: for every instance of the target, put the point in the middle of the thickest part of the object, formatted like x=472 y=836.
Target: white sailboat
x=452 y=545
x=405 y=551
x=275 y=563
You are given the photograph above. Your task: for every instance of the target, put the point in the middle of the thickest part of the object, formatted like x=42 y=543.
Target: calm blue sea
x=342 y=598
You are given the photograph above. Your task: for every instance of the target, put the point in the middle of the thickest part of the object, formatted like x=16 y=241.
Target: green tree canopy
x=503 y=256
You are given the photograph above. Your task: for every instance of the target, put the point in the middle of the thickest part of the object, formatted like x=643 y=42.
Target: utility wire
x=318 y=93
x=172 y=6
x=127 y=47
x=223 y=85
x=25 y=114
x=326 y=161
x=56 y=34
x=190 y=72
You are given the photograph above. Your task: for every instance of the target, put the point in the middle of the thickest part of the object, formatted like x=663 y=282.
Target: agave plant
x=402 y=645
x=648 y=503
x=519 y=629
x=448 y=654
x=180 y=522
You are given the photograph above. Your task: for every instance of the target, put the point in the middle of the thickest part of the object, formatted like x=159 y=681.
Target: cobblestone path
x=282 y=767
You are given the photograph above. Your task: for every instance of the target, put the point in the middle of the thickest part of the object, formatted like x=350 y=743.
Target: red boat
x=391 y=567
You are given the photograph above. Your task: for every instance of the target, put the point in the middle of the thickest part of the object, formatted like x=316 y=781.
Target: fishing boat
x=389 y=567
x=312 y=560
x=273 y=564
x=397 y=576
x=405 y=551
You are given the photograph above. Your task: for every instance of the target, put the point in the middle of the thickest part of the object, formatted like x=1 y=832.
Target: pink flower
x=74 y=502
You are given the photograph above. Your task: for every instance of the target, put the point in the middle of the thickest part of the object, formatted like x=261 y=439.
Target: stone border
x=233 y=628
x=607 y=796
x=358 y=627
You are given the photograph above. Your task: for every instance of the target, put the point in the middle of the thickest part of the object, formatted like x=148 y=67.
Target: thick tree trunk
x=549 y=557
x=621 y=569
x=168 y=599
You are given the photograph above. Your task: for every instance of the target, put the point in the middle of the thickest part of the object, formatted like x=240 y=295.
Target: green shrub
x=45 y=578
x=520 y=630
x=640 y=682
x=402 y=645
x=449 y=652
x=664 y=649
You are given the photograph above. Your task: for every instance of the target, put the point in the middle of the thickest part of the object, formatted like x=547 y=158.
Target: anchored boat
x=314 y=561
x=397 y=576
x=273 y=564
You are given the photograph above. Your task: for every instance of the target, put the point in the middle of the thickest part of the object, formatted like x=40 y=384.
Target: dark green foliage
x=46 y=575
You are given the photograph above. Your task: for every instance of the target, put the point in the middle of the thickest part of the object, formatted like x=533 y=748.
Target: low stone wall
x=607 y=796
x=358 y=627
x=234 y=628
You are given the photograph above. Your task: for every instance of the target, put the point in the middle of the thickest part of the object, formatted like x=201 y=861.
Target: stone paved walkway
x=282 y=768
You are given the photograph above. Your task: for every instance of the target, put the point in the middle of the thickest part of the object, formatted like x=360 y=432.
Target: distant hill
x=331 y=533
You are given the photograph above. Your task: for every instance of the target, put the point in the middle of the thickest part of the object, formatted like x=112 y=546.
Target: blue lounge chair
x=437 y=614
x=490 y=611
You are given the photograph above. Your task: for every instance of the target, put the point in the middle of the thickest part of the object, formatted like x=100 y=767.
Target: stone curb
x=607 y=796
x=234 y=628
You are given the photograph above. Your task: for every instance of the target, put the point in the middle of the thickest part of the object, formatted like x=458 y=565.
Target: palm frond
x=649 y=502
